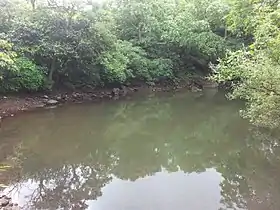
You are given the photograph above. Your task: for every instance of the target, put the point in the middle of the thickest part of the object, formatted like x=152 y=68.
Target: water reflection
x=168 y=152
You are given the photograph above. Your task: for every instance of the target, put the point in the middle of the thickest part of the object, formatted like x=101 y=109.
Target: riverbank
x=14 y=104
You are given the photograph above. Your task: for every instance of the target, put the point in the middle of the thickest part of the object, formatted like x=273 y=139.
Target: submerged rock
x=58 y=98
x=39 y=106
x=51 y=107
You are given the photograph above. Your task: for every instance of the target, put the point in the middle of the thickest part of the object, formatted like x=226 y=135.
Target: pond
x=169 y=151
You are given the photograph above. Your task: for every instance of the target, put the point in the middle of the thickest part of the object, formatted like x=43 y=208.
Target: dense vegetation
x=74 y=44
x=254 y=70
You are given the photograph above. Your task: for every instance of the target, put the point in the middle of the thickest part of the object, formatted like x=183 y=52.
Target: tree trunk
x=52 y=69
x=225 y=32
x=33 y=4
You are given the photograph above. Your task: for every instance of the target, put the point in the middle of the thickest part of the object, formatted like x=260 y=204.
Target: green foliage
x=6 y=58
x=25 y=76
x=255 y=70
x=256 y=79
x=16 y=72
x=126 y=62
x=81 y=44
x=119 y=41
x=29 y=76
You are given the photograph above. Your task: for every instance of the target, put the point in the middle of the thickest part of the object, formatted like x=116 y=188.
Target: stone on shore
x=52 y=102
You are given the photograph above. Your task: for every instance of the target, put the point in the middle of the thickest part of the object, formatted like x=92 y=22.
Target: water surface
x=171 y=151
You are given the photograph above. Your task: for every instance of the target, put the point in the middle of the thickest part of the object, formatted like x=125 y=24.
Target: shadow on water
x=173 y=151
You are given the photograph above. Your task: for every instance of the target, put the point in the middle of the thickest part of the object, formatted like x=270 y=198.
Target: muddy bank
x=11 y=105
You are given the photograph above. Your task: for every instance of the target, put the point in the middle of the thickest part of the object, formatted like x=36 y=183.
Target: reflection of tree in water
x=65 y=187
x=154 y=134
x=137 y=139
x=68 y=187
x=252 y=175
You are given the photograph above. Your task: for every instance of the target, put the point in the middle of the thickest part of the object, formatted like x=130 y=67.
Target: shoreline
x=10 y=105
x=13 y=104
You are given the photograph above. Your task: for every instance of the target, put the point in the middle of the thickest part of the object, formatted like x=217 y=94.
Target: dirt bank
x=11 y=105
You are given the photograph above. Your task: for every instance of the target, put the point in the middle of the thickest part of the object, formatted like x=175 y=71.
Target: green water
x=178 y=151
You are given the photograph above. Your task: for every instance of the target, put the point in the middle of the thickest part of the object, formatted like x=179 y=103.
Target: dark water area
x=169 y=151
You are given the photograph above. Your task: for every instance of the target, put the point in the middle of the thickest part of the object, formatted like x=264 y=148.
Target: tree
x=80 y=44
x=254 y=70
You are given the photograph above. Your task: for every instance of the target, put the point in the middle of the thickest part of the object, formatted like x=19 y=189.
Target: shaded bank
x=13 y=104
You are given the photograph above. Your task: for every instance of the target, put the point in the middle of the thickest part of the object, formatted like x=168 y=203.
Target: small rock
x=28 y=99
x=124 y=90
x=5 y=97
x=52 y=102
x=116 y=91
x=65 y=97
x=77 y=96
x=59 y=98
x=45 y=97
x=152 y=84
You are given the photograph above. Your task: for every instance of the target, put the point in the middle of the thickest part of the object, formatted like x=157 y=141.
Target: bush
x=24 y=76
x=256 y=79
x=126 y=62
